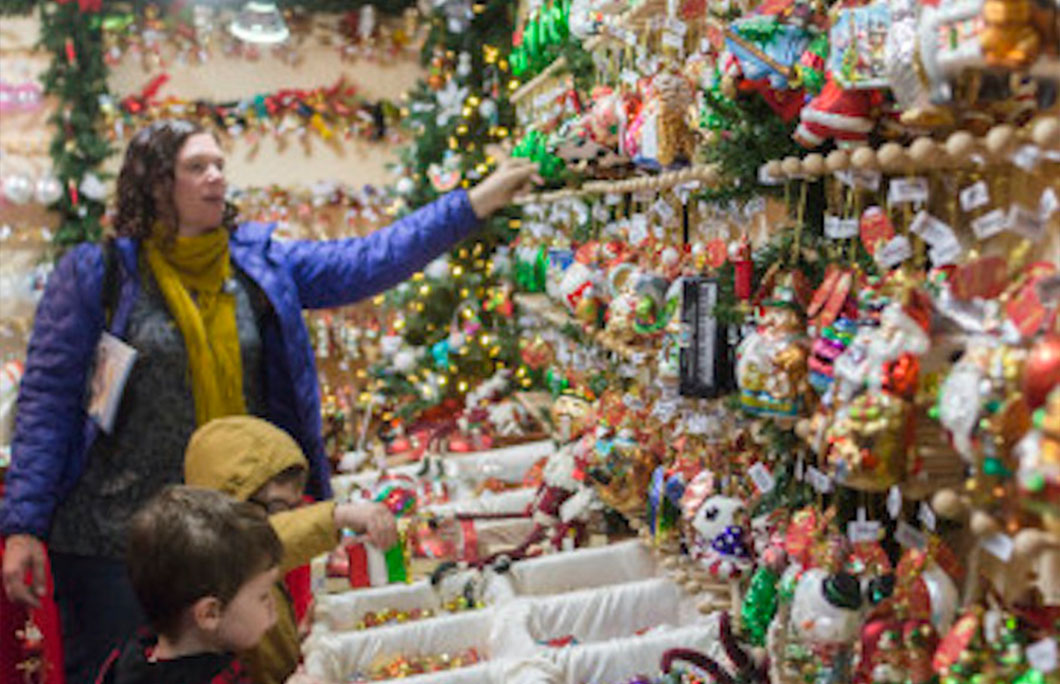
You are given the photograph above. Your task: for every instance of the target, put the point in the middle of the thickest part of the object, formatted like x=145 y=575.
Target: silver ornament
x=18 y=188
x=49 y=190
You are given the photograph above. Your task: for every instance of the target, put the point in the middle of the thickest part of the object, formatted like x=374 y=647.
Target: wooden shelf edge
x=534 y=83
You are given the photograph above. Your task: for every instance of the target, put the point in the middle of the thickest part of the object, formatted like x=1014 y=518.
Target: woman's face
x=199 y=185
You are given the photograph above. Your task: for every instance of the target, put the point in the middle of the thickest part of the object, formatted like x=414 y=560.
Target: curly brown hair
x=149 y=169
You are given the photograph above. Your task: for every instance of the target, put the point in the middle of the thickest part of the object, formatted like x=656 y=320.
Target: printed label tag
x=612 y=198
x=818 y=480
x=859 y=178
x=931 y=230
x=800 y=469
x=1026 y=157
x=762 y=478
x=1042 y=655
x=630 y=77
x=974 y=196
x=894 y=502
x=906 y=190
x=999 y=544
x=863 y=531
x=672 y=40
x=664 y=210
x=944 y=254
x=909 y=536
x=894 y=252
x=990 y=224
x=927 y=516
x=638 y=229
x=1047 y=204
x=836 y=228
x=1026 y=223
x=677 y=26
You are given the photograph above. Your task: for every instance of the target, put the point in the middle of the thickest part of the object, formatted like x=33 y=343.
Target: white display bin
x=584 y=568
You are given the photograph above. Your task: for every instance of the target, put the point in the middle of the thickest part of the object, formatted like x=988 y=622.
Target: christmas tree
x=452 y=325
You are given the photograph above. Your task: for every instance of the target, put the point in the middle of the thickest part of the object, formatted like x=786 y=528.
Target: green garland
x=77 y=77
x=16 y=7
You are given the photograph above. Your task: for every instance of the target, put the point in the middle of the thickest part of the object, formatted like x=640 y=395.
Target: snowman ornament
x=826 y=617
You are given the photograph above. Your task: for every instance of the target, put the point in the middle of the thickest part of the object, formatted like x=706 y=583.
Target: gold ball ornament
x=960 y=145
x=791 y=166
x=1046 y=133
x=669 y=563
x=924 y=152
x=774 y=169
x=813 y=165
x=838 y=160
x=863 y=158
x=692 y=586
x=983 y=524
x=948 y=504
x=1000 y=139
x=892 y=157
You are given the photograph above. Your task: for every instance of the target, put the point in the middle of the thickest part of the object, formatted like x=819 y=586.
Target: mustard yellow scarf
x=191 y=273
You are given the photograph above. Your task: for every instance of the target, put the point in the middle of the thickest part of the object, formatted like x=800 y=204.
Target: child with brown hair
x=202 y=566
x=251 y=460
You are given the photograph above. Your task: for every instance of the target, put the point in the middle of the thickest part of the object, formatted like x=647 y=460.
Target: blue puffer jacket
x=52 y=431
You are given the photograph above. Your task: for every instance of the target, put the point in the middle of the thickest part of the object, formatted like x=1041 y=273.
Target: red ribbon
x=134 y=104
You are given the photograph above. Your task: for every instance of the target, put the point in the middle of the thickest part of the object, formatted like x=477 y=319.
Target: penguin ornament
x=825 y=618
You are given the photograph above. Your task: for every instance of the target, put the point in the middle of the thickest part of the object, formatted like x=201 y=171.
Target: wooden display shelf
x=705 y=175
x=536 y=82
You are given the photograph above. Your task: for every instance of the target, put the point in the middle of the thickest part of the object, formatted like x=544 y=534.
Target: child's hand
x=373 y=519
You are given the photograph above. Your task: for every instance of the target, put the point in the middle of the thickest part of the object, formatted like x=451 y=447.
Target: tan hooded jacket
x=238 y=455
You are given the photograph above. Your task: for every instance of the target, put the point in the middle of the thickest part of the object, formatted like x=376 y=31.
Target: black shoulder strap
x=110 y=279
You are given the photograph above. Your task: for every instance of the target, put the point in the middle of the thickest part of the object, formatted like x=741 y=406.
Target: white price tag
x=908 y=190
x=612 y=198
x=697 y=424
x=677 y=26
x=931 y=230
x=927 y=516
x=974 y=196
x=818 y=480
x=638 y=229
x=863 y=531
x=1026 y=157
x=990 y=224
x=1026 y=223
x=630 y=77
x=858 y=178
x=637 y=358
x=836 y=228
x=658 y=230
x=1042 y=655
x=998 y=544
x=894 y=502
x=894 y=252
x=909 y=536
x=762 y=478
x=944 y=254
x=664 y=210
x=800 y=469
x=1047 y=204
x=664 y=410
x=672 y=40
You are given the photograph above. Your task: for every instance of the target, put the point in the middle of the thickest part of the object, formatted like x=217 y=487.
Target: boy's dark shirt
x=131 y=665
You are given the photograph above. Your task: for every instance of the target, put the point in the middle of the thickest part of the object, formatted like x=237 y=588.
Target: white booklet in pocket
x=114 y=360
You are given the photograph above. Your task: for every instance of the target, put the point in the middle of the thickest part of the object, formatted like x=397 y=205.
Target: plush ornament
x=579 y=283
x=1009 y=38
x=763 y=48
x=671 y=99
x=572 y=415
x=650 y=311
x=457 y=587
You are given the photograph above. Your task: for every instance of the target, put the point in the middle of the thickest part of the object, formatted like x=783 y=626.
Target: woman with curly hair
x=213 y=311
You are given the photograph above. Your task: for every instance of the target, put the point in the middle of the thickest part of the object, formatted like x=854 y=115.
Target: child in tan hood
x=252 y=460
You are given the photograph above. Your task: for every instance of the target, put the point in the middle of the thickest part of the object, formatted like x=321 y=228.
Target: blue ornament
x=440 y=354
